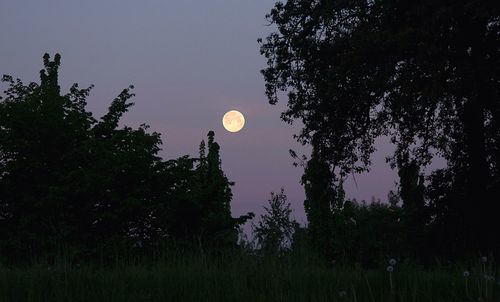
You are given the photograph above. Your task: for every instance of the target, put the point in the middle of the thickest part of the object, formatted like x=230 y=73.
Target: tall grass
x=178 y=277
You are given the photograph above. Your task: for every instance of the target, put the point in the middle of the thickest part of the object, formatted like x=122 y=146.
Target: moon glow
x=233 y=121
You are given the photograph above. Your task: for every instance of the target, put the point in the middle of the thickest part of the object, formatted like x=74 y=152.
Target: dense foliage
x=72 y=184
x=100 y=215
x=424 y=73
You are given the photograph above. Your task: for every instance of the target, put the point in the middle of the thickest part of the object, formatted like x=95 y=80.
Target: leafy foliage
x=275 y=228
x=84 y=186
x=423 y=73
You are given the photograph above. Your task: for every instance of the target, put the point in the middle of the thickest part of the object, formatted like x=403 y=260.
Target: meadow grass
x=242 y=278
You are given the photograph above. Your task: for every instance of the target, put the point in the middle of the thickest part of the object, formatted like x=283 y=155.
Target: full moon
x=233 y=121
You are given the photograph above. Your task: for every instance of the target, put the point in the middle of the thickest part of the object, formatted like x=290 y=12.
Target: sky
x=190 y=62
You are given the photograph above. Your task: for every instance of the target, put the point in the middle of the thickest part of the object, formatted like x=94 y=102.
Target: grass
x=242 y=278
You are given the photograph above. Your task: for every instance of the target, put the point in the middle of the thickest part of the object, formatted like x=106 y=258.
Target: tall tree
x=412 y=193
x=41 y=132
x=212 y=193
x=68 y=180
x=320 y=200
x=424 y=73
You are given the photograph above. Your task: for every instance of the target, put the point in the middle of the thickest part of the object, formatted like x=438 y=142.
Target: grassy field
x=244 y=278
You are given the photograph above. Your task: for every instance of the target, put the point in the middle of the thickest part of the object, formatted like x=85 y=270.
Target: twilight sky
x=190 y=61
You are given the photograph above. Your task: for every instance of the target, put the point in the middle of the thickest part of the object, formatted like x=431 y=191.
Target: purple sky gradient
x=190 y=61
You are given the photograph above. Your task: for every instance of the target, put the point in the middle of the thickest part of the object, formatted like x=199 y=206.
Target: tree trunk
x=477 y=206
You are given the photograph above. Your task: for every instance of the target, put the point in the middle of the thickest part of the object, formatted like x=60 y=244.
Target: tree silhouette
x=274 y=231
x=412 y=194
x=74 y=184
x=68 y=180
x=40 y=140
x=320 y=201
x=213 y=194
x=425 y=73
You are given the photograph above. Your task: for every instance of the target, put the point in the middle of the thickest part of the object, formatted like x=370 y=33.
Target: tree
x=90 y=186
x=41 y=132
x=319 y=203
x=374 y=231
x=274 y=231
x=415 y=212
x=67 y=180
x=124 y=167
x=212 y=196
x=425 y=73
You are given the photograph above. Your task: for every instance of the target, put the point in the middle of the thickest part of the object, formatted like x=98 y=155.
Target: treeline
x=74 y=184
x=425 y=74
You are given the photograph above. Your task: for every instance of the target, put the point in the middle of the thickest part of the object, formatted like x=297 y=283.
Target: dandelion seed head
x=488 y=277
x=466 y=274
x=392 y=262
x=390 y=268
x=484 y=259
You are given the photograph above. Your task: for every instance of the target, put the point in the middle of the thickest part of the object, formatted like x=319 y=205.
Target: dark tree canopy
x=73 y=183
x=426 y=74
x=69 y=180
